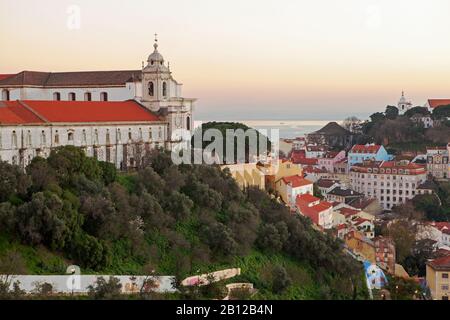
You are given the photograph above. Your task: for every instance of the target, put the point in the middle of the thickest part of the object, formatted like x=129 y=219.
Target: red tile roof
x=311 y=169
x=360 y=148
x=359 y=221
x=11 y=112
x=326 y=183
x=441 y=225
x=70 y=79
x=306 y=199
x=307 y=161
x=74 y=112
x=296 y=181
x=380 y=166
x=347 y=212
x=342 y=226
x=362 y=203
x=4 y=76
x=434 y=103
x=314 y=211
x=442 y=263
x=297 y=155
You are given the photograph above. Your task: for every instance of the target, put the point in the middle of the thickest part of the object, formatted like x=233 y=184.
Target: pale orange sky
x=251 y=59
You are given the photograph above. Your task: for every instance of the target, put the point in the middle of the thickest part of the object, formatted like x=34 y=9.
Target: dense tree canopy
x=176 y=218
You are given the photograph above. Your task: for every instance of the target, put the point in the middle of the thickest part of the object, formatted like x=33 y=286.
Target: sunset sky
x=252 y=59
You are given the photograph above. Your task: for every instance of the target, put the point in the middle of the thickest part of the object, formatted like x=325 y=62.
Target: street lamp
x=72 y=272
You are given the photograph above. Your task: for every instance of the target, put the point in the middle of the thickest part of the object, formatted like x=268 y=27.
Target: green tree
x=391 y=112
x=441 y=112
x=103 y=289
x=281 y=280
x=12 y=181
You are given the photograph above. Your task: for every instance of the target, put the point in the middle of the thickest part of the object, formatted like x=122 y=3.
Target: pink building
x=330 y=158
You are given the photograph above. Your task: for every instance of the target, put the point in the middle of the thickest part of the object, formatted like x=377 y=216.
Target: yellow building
x=246 y=174
x=438 y=271
x=276 y=170
x=360 y=245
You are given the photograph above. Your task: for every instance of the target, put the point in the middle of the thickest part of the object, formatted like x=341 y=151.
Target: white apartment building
x=390 y=182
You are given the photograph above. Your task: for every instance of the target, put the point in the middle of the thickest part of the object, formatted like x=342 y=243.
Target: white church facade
x=115 y=116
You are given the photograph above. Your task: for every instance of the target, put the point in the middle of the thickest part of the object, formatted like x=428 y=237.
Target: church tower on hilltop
x=403 y=105
x=161 y=93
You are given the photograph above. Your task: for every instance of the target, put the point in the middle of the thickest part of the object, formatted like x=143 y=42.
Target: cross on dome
x=155 y=57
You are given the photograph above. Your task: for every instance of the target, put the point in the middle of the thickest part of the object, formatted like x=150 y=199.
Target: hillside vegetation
x=401 y=133
x=176 y=220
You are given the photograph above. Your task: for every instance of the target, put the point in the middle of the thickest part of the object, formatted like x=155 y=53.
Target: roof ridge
x=33 y=111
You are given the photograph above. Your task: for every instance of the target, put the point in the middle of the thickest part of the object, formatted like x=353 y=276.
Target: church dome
x=402 y=99
x=155 y=57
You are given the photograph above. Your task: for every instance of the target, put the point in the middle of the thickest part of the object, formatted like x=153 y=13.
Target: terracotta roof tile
x=434 y=103
x=74 y=112
x=11 y=112
x=296 y=181
x=360 y=148
x=70 y=79
x=442 y=263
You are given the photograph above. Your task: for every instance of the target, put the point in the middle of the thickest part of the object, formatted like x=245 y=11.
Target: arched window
x=188 y=123
x=103 y=96
x=151 y=89
x=5 y=95
x=43 y=138
x=14 y=139
x=84 y=136
x=140 y=134
x=88 y=96
x=70 y=136
x=56 y=137
x=96 y=137
x=72 y=96
x=29 y=138
x=57 y=96
x=164 y=89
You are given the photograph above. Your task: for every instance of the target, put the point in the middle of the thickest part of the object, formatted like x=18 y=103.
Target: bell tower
x=161 y=93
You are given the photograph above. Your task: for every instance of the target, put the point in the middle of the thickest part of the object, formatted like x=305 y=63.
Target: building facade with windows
x=390 y=182
x=113 y=115
x=438 y=279
x=438 y=162
x=360 y=153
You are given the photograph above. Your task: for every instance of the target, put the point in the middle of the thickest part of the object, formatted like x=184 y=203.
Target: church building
x=115 y=116
x=403 y=104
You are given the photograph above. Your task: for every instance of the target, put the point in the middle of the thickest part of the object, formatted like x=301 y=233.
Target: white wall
x=154 y=133
x=129 y=91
